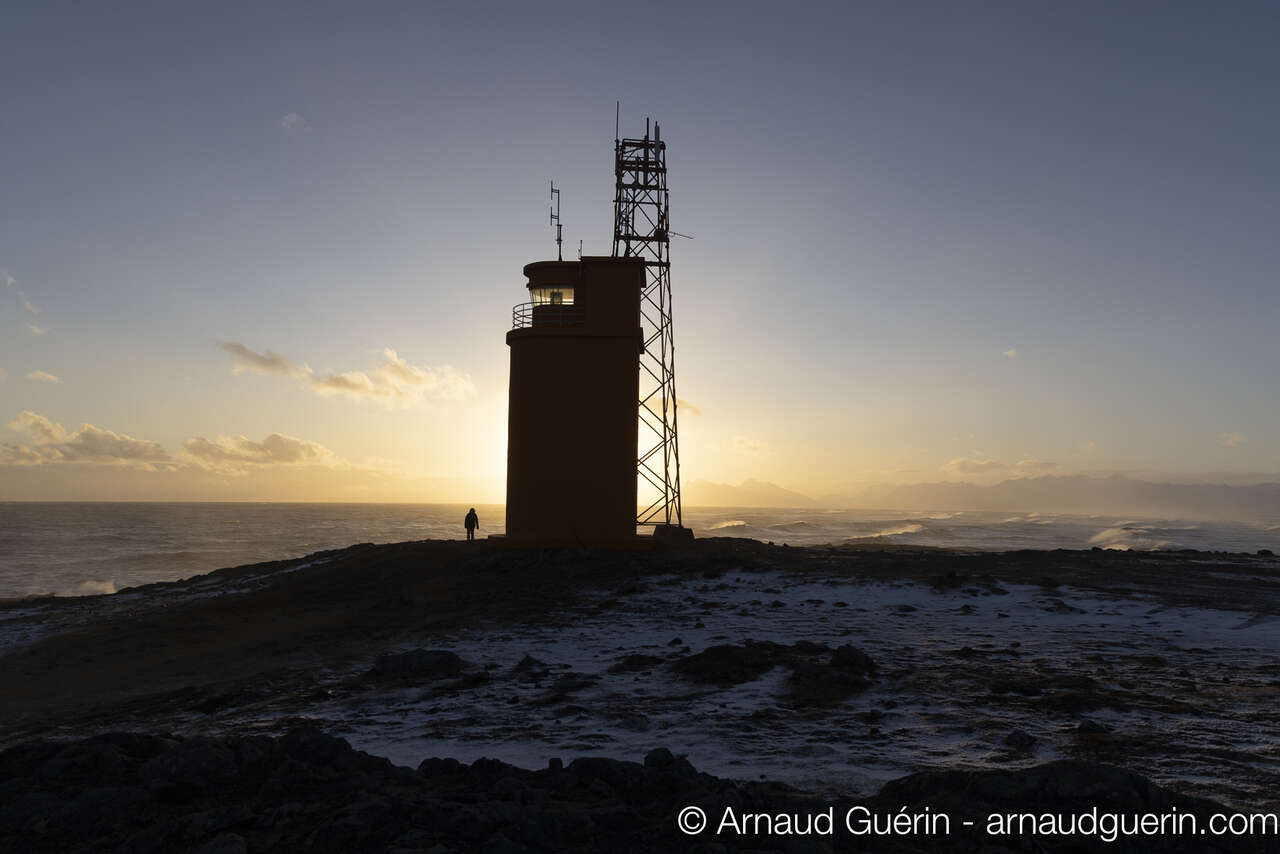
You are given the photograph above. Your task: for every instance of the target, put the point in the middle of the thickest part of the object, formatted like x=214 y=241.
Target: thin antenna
x=555 y=220
x=579 y=249
x=617 y=114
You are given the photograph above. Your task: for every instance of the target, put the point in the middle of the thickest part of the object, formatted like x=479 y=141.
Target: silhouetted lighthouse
x=592 y=406
x=571 y=428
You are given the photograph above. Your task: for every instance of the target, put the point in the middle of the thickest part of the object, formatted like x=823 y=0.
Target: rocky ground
x=819 y=674
x=308 y=791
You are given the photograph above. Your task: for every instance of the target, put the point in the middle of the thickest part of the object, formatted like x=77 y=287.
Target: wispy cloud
x=1011 y=353
x=393 y=381
x=238 y=454
x=38 y=330
x=27 y=305
x=51 y=443
x=267 y=362
x=1232 y=439
x=43 y=377
x=686 y=407
x=979 y=464
x=748 y=445
x=291 y=122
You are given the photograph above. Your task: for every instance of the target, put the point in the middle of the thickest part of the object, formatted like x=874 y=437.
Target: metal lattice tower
x=641 y=210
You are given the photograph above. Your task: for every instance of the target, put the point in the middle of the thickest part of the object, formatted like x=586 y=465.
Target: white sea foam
x=912 y=528
x=92 y=588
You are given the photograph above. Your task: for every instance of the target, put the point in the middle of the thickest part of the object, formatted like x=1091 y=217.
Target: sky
x=269 y=251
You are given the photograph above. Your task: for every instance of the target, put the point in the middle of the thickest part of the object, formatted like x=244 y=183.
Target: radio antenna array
x=555 y=220
x=641 y=216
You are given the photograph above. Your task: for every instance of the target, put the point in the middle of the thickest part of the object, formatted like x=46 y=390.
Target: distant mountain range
x=1115 y=495
x=749 y=493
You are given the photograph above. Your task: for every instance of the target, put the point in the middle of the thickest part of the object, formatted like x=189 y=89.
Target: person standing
x=471 y=523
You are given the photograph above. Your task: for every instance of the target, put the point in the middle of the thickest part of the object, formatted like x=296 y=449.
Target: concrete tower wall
x=571 y=430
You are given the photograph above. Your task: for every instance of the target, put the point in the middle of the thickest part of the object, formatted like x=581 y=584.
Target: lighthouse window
x=552 y=296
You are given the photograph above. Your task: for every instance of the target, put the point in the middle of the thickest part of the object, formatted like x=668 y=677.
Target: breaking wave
x=912 y=528
x=1127 y=537
x=93 y=588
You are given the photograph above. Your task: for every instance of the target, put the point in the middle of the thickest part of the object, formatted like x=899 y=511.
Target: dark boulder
x=729 y=664
x=817 y=682
x=530 y=669
x=636 y=662
x=193 y=767
x=1019 y=740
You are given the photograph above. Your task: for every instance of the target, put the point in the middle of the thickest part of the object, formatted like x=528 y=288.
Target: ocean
x=75 y=549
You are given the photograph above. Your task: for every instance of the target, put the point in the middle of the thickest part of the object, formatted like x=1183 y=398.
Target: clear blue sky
x=932 y=240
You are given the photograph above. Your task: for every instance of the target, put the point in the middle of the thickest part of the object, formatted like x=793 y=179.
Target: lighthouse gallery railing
x=528 y=314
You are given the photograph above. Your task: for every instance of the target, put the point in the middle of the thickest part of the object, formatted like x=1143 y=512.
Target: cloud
x=38 y=427
x=38 y=330
x=43 y=377
x=238 y=454
x=51 y=443
x=20 y=455
x=747 y=445
x=1231 y=440
x=1088 y=447
x=979 y=464
x=267 y=362
x=92 y=444
x=394 y=381
x=48 y=443
x=1011 y=353
x=27 y=304
x=686 y=407
x=291 y=122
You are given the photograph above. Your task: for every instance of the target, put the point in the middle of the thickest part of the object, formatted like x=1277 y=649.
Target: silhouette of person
x=471 y=522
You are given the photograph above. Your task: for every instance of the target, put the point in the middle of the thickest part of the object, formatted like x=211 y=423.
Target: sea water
x=97 y=548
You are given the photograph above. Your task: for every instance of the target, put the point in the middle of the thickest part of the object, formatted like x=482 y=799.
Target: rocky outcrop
x=309 y=791
x=819 y=675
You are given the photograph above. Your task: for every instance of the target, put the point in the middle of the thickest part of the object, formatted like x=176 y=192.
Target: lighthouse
x=571 y=416
x=591 y=415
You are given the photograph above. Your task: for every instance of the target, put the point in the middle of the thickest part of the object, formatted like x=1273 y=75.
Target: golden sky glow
x=285 y=271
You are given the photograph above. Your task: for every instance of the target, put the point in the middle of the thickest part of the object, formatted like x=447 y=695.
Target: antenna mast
x=641 y=216
x=555 y=220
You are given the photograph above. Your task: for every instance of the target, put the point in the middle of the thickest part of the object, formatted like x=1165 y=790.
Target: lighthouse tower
x=592 y=408
x=571 y=428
